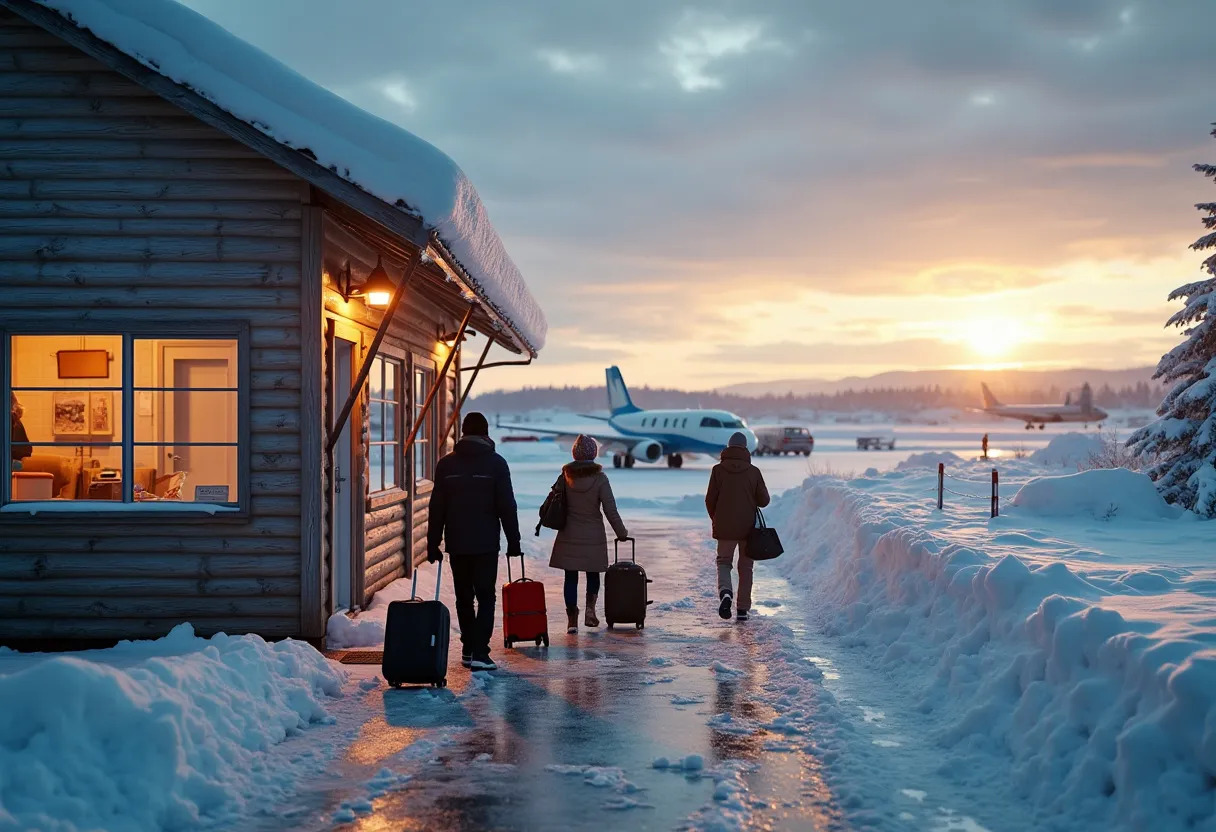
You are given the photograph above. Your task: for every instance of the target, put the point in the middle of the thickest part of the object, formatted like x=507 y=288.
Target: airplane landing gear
x=629 y=460
x=675 y=461
x=617 y=459
x=1042 y=427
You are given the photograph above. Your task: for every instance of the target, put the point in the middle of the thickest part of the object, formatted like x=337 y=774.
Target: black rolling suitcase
x=625 y=592
x=416 y=635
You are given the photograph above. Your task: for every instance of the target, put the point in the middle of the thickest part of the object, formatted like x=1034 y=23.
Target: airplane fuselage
x=1043 y=414
x=682 y=431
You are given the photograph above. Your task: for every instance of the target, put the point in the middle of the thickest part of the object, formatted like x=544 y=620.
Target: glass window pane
x=390 y=466
x=172 y=472
x=390 y=380
x=376 y=421
x=186 y=362
x=185 y=416
x=59 y=472
x=375 y=468
x=71 y=417
x=421 y=469
x=390 y=422
x=67 y=361
x=375 y=379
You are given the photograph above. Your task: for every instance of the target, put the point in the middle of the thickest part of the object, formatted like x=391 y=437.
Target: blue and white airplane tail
x=619 y=401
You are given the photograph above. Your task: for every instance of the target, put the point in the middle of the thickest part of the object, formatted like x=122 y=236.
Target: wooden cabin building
x=187 y=301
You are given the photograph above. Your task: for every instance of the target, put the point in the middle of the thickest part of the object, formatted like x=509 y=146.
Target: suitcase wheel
x=609 y=625
x=543 y=640
x=508 y=642
x=641 y=625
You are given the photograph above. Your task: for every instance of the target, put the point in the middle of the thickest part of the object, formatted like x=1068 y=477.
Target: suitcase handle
x=438 y=580
x=633 y=550
x=522 y=577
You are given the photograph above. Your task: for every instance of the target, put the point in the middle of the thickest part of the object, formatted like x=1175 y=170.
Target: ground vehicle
x=875 y=443
x=783 y=439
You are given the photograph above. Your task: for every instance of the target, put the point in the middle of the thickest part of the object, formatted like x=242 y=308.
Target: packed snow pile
x=367 y=628
x=1068 y=450
x=379 y=157
x=164 y=734
x=1097 y=682
x=1103 y=494
x=929 y=459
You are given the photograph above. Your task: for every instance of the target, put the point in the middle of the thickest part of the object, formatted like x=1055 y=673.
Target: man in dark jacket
x=736 y=490
x=472 y=499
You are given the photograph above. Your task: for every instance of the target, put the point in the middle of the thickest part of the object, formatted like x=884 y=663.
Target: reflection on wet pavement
x=564 y=738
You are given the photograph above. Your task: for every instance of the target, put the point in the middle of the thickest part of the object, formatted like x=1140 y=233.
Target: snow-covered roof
x=385 y=160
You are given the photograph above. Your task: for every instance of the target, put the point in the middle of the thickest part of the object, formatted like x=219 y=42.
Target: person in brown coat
x=736 y=490
x=582 y=546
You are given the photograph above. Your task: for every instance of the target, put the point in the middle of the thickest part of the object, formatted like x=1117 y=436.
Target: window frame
x=399 y=493
x=130 y=331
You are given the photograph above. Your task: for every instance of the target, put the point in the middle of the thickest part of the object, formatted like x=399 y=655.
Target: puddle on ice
x=915 y=794
x=886 y=743
x=824 y=666
x=871 y=714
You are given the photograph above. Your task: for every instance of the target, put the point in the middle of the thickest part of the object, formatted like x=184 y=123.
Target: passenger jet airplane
x=649 y=435
x=1041 y=414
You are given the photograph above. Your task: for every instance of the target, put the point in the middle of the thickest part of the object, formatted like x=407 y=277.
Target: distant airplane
x=649 y=435
x=1041 y=414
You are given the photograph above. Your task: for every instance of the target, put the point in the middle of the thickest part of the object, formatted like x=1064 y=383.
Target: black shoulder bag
x=762 y=541
x=553 y=509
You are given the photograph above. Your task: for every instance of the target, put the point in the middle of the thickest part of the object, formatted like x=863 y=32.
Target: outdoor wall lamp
x=376 y=291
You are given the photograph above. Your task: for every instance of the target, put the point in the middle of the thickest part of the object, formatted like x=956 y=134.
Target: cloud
x=648 y=164
x=570 y=63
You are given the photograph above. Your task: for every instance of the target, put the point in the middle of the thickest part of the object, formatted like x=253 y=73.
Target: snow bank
x=1109 y=721
x=379 y=157
x=162 y=734
x=1103 y=494
x=1068 y=450
x=929 y=459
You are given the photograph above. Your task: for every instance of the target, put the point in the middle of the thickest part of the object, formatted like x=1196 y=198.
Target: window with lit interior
x=123 y=418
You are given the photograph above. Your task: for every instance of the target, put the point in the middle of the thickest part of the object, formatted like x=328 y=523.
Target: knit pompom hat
x=585 y=449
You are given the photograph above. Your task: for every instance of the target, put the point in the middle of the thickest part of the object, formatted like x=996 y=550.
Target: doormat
x=355 y=656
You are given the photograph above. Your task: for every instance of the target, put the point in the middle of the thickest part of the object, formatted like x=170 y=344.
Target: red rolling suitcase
x=524 y=617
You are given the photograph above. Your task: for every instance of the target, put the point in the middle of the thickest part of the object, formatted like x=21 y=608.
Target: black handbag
x=762 y=541
x=553 y=509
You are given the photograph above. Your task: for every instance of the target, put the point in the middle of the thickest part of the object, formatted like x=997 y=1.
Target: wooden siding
x=394 y=536
x=116 y=206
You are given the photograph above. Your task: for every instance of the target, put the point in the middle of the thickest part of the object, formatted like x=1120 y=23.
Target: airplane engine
x=647 y=450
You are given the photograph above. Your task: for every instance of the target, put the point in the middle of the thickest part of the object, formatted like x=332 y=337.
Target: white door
x=341 y=542
x=194 y=413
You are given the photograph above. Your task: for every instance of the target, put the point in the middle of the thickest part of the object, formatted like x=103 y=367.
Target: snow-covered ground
x=176 y=733
x=907 y=668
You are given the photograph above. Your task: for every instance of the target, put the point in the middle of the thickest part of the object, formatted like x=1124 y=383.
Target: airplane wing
x=609 y=439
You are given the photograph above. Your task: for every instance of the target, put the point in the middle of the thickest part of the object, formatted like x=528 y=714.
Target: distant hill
x=998 y=380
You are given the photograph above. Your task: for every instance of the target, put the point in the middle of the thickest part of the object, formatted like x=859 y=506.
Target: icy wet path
x=790 y=731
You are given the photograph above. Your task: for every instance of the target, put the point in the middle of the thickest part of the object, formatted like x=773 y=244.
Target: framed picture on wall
x=69 y=413
x=100 y=414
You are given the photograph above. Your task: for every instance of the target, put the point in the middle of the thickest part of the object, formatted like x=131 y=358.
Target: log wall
x=117 y=206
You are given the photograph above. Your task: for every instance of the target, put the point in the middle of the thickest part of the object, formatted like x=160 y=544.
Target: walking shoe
x=572 y=620
x=483 y=661
x=466 y=656
x=728 y=601
x=590 y=619
x=741 y=615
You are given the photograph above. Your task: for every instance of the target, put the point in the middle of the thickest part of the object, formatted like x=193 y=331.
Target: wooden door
x=194 y=413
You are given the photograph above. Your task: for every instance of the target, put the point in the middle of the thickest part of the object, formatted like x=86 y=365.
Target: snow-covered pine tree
x=1183 y=440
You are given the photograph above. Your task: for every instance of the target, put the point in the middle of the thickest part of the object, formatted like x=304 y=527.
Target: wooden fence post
x=941 y=483
x=996 y=493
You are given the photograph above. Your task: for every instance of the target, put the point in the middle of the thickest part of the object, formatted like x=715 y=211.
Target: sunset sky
x=707 y=193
